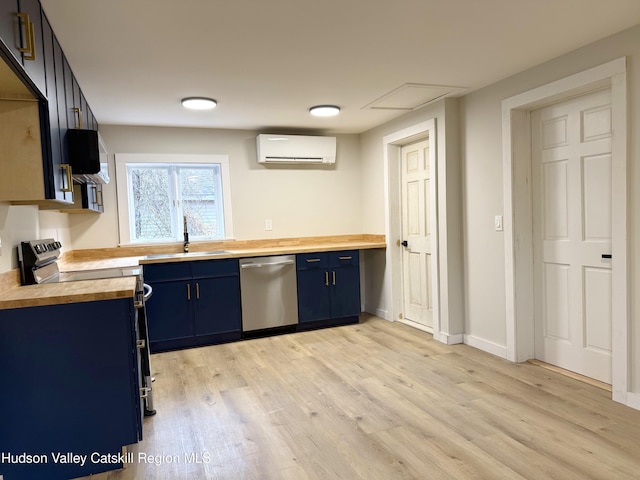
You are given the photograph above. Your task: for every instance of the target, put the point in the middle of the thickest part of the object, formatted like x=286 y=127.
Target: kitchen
x=354 y=188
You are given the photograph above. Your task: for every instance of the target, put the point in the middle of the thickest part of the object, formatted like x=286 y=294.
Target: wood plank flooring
x=377 y=400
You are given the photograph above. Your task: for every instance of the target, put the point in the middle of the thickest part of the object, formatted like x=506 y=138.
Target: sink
x=188 y=254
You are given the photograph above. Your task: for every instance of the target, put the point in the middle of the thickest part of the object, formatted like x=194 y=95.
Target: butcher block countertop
x=68 y=292
x=122 y=287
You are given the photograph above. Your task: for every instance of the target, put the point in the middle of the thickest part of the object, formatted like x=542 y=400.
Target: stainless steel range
x=38 y=262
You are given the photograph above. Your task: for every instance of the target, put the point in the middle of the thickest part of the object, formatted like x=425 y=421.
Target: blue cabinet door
x=169 y=311
x=328 y=286
x=345 y=292
x=33 y=62
x=193 y=303
x=217 y=305
x=314 y=302
x=9 y=27
x=71 y=373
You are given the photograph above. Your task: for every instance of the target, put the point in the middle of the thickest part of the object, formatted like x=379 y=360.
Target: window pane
x=150 y=203
x=201 y=200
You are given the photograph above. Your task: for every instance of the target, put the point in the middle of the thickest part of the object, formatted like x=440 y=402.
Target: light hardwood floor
x=377 y=400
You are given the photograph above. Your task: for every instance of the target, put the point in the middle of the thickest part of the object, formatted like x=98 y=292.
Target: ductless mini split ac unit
x=296 y=149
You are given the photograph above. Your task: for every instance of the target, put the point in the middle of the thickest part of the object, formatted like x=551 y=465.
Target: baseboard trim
x=449 y=339
x=633 y=400
x=379 y=312
x=485 y=345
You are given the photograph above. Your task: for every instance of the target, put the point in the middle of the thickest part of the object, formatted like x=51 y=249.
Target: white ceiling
x=268 y=61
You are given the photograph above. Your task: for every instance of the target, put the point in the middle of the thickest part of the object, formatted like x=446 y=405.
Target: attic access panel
x=410 y=96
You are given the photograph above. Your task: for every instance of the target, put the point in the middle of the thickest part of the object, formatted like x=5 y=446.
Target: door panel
x=598 y=309
x=416 y=230
x=571 y=153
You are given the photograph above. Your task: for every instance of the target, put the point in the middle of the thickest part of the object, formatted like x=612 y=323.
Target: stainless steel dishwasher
x=269 y=292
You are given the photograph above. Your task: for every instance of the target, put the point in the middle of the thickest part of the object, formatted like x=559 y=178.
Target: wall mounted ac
x=296 y=149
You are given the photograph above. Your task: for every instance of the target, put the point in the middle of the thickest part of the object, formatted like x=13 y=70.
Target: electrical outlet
x=268 y=225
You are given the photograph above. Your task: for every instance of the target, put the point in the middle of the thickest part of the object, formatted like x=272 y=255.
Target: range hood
x=84 y=156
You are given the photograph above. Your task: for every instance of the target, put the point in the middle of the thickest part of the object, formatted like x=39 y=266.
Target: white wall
x=17 y=223
x=377 y=289
x=300 y=200
x=481 y=124
x=481 y=189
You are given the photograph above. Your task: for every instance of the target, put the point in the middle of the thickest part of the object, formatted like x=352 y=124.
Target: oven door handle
x=148 y=291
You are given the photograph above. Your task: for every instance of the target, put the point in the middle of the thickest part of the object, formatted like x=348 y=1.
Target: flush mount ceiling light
x=324 y=110
x=199 y=103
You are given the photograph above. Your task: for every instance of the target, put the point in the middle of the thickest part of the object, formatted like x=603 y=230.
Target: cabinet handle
x=188 y=291
x=345 y=258
x=197 y=291
x=144 y=392
x=312 y=260
x=326 y=279
x=29 y=34
x=78 y=113
x=67 y=170
x=101 y=199
x=334 y=277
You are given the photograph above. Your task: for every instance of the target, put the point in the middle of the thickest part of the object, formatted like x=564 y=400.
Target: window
x=166 y=192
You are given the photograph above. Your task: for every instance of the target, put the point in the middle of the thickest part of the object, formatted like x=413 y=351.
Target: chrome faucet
x=185 y=248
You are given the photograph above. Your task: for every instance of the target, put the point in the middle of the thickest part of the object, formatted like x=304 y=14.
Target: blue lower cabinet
x=167 y=310
x=328 y=288
x=217 y=305
x=193 y=304
x=70 y=397
x=314 y=295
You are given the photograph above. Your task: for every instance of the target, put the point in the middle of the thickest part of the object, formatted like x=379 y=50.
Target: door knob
x=404 y=243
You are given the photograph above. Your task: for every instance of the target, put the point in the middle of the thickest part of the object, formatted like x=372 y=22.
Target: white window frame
x=123 y=190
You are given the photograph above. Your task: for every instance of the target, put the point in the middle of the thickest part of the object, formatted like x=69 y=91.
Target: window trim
x=122 y=189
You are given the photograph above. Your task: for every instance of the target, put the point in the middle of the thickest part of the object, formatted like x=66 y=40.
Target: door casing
x=519 y=279
x=393 y=274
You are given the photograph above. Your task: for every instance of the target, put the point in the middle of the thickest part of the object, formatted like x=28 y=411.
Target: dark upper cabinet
x=61 y=102
x=59 y=175
x=30 y=47
x=33 y=59
x=21 y=32
x=90 y=197
x=10 y=32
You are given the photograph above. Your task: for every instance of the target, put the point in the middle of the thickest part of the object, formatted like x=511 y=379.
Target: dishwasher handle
x=260 y=265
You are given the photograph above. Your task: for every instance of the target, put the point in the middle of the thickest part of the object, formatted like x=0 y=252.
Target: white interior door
x=571 y=159
x=416 y=232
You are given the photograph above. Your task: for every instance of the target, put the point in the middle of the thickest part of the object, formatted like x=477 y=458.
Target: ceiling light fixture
x=324 y=110
x=199 y=103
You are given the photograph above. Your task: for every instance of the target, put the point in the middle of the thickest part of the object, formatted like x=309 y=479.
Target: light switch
x=498 y=223
x=268 y=225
